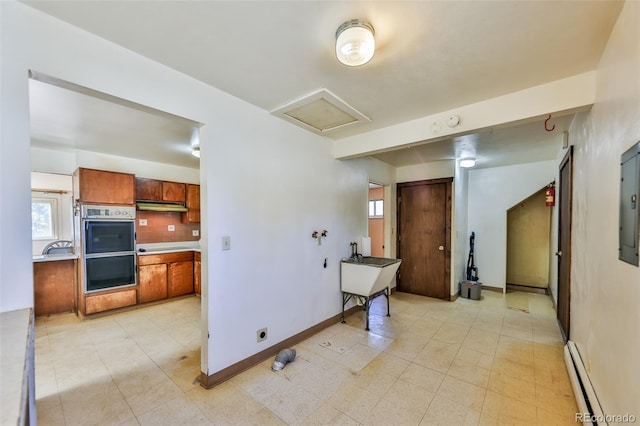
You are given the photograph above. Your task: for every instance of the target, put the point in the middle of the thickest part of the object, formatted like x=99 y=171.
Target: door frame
x=447 y=240
x=564 y=253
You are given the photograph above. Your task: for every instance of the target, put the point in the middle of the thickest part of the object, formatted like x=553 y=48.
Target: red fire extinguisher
x=550 y=195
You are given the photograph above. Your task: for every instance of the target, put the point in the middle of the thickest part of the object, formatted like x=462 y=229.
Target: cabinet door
x=197 y=274
x=99 y=186
x=54 y=287
x=153 y=282
x=180 y=278
x=193 y=204
x=173 y=191
x=148 y=189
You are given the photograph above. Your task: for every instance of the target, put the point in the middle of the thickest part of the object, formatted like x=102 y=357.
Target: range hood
x=155 y=206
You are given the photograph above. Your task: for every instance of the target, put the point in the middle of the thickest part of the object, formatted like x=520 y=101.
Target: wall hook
x=546 y=127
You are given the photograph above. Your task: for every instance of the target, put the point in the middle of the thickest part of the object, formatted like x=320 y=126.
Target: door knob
x=559 y=253
x=441 y=248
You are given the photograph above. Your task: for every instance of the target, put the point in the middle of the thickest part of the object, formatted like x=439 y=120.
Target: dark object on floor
x=470 y=289
x=283 y=358
x=472 y=271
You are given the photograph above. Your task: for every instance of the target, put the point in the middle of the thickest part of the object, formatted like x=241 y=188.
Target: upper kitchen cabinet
x=104 y=187
x=172 y=191
x=192 y=214
x=157 y=190
x=148 y=189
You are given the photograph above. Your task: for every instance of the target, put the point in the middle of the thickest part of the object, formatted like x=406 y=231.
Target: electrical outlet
x=195 y=233
x=261 y=334
x=142 y=222
x=171 y=228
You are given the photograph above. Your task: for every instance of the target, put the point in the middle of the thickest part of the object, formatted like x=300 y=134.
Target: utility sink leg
x=387 y=296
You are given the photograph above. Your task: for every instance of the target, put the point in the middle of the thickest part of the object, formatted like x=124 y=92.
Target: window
x=375 y=209
x=43 y=218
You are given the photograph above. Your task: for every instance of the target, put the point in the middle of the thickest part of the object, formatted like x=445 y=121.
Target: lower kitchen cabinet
x=162 y=276
x=180 y=278
x=54 y=286
x=197 y=272
x=152 y=280
x=108 y=300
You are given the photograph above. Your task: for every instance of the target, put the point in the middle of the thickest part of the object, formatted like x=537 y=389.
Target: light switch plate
x=171 y=228
x=226 y=242
x=195 y=233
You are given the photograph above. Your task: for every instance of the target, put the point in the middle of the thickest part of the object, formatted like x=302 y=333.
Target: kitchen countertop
x=160 y=248
x=53 y=257
x=16 y=368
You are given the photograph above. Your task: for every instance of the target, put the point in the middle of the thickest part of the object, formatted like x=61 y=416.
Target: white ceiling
x=431 y=56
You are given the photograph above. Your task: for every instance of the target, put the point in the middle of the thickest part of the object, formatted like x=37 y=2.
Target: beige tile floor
x=498 y=360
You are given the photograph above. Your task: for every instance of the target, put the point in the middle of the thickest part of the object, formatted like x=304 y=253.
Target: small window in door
x=375 y=209
x=43 y=218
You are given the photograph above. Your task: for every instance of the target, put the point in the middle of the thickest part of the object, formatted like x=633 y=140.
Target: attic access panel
x=320 y=112
x=629 y=209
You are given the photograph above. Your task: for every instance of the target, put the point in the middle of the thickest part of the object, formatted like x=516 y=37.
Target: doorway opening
x=376 y=219
x=529 y=244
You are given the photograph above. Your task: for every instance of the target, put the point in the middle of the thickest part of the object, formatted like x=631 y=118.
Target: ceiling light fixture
x=355 y=44
x=195 y=142
x=467 y=162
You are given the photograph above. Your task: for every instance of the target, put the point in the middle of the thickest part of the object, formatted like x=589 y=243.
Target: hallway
x=498 y=360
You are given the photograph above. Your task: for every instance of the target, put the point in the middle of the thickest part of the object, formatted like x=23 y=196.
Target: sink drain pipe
x=283 y=358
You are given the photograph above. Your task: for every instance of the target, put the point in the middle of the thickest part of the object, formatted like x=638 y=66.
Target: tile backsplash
x=157 y=228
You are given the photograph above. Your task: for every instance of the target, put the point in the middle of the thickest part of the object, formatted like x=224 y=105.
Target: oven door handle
x=110 y=254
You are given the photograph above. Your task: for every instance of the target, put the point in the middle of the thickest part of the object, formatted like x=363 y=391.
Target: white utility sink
x=365 y=278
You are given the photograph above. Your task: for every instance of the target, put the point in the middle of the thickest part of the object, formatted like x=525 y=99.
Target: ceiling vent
x=320 y=112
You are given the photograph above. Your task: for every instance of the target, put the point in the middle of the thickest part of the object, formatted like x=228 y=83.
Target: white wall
x=460 y=234
x=267 y=184
x=491 y=193
x=605 y=292
x=437 y=169
x=67 y=161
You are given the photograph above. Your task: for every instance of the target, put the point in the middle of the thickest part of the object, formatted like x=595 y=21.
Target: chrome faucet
x=354 y=251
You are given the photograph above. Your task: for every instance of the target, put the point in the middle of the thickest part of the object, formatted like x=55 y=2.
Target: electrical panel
x=629 y=205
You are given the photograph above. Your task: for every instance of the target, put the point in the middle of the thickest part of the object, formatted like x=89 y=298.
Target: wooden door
x=424 y=237
x=564 y=242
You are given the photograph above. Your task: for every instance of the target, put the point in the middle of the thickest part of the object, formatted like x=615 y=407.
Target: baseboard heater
x=589 y=410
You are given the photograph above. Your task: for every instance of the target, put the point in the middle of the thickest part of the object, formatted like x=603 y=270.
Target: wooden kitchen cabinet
x=153 y=282
x=148 y=189
x=193 y=204
x=166 y=275
x=158 y=190
x=197 y=272
x=180 y=280
x=109 y=300
x=54 y=286
x=104 y=187
x=174 y=192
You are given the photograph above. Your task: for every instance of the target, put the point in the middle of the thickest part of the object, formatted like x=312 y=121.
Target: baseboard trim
x=454 y=297
x=496 y=289
x=537 y=290
x=210 y=381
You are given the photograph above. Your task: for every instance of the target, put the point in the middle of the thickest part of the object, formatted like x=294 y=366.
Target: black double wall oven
x=108 y=240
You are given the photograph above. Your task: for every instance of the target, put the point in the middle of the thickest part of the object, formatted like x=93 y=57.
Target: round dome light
x=355 y=44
